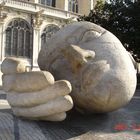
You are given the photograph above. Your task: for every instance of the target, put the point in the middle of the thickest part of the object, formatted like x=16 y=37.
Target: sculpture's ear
x=77 y=56
x=136 y=65
x=138 y=68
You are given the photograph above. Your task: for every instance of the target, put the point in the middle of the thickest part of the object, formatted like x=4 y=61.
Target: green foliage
x=120 y=18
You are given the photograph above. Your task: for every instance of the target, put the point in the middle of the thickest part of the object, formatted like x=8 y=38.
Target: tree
x=122 y=18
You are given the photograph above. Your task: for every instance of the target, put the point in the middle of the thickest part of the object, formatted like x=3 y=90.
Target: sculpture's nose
x=77 y=56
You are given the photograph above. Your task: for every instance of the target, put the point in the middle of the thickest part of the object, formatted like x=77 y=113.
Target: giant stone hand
x=99 y=68
x=35 y=95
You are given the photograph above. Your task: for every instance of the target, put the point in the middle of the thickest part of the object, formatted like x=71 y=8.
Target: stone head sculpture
x=95 y=62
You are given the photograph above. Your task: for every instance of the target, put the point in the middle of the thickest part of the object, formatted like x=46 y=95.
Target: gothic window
x=48 y=2
x=73 y=6
x=48 y=32
x=18 y=39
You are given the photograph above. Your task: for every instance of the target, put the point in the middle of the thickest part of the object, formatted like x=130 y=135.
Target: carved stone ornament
x=37 y=20
x=3 y=16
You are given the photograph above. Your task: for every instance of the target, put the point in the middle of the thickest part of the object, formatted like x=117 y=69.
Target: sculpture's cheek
x=92 y=74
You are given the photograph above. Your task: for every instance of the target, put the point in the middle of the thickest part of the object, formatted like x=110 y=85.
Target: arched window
x=73 y=6
x=48 y=32
x=48 y=2
x=18 y=39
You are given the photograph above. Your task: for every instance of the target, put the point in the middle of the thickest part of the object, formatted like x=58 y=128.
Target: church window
x=48 y=2
x=73 y=6
x=18 y=39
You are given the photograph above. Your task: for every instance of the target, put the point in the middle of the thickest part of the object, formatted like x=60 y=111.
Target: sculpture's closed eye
x=89 y=36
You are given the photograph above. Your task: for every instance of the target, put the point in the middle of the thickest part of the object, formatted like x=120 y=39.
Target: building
x=27 y=24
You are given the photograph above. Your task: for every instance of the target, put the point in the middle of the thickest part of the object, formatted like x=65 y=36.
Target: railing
x=17 y=3
x=35 y=7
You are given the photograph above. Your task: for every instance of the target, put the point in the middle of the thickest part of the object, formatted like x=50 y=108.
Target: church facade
x=25 y=25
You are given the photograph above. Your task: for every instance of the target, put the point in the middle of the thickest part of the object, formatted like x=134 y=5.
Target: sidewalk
x=123 y=124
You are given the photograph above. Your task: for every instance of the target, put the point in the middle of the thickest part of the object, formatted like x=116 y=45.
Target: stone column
x=1 y=50
x=1 y=41
x=36 y=48
x=37 y=22
x=3 y=16
x=66 y=5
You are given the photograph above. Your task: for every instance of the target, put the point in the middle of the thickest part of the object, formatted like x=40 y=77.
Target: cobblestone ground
x=123 y=124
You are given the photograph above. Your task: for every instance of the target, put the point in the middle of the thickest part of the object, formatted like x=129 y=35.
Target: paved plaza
x=123 y=124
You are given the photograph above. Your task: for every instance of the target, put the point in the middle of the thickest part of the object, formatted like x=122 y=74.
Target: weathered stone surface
x=35 y=95
x=99 y=68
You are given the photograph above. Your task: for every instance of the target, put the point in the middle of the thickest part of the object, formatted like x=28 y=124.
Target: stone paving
x=123 y=124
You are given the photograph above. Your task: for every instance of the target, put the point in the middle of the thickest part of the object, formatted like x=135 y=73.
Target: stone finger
x=27 y=81
x=12 y=65
x=58 y=105
x=29 y=99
